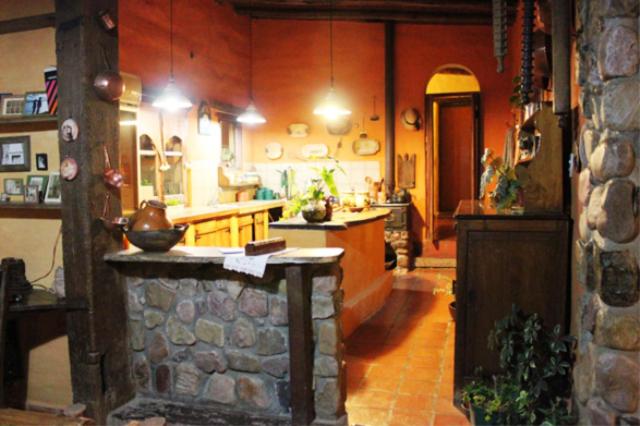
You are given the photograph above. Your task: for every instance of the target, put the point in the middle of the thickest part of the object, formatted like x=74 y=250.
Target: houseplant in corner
x=534 y=385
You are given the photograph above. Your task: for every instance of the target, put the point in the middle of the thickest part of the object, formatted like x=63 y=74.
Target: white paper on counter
x=252 y=265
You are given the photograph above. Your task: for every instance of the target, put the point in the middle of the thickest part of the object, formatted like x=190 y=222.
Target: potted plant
x=507 y=191
x=534 y=384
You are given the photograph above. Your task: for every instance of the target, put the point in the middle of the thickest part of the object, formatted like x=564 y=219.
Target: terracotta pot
x=151 y=216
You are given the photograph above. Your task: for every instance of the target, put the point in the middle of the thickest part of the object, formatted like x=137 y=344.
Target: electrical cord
x=53 y=263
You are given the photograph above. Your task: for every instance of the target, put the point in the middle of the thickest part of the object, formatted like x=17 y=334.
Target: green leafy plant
x=315 y=192
x=327 y=176
x=535 y=381
x=507 y=186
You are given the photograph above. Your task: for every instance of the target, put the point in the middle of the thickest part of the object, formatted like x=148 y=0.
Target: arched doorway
x=453 y=145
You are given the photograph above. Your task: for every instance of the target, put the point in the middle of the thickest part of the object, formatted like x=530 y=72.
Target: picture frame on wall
x=12 y=105
x=38 y=180
x=35 y=103
x=13 y=186
x=204 y=119
x=15 y=154
x=54 y=190
x=42 y=161
x=32 y=194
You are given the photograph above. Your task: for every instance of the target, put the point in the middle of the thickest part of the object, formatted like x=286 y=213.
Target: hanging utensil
x=112 y=177
x=374 y=116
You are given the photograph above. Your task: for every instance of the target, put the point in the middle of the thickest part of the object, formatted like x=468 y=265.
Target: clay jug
x=151 y=216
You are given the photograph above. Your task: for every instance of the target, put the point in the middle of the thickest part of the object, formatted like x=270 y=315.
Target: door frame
x=430 y=151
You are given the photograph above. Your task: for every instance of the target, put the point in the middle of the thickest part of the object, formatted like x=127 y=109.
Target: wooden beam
x=561 y=55
x=98 y=350
x=390 y=106
x=300 y=344
x=28 y=23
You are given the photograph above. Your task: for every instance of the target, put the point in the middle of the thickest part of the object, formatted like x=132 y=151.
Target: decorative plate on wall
x=273 y=150
x=317 y=150
x=365 y=146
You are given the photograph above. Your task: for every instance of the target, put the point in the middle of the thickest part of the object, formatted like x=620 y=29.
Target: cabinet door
x=216 y=232
x=245 y=227
x=259 y=229
x=500 y=263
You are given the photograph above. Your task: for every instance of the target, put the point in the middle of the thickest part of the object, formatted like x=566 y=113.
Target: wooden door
x=453 y=154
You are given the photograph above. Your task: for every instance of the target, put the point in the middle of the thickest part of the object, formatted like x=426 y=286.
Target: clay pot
x=109 y=85
x=151 y=216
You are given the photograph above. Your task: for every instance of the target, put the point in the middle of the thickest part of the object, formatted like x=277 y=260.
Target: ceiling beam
x=28 y=23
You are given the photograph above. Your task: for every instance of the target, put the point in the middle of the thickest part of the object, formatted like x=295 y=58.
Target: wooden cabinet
x=505 y=259
x=245 y=229
x=215 y=232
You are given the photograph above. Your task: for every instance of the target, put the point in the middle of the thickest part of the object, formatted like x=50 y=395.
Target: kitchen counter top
x=341 y=220
x=473 y=209
x=195 y=214
x=213 y=255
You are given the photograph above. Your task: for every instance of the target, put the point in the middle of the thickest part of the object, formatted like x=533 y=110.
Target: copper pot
x=109 y=85
x=151 y=216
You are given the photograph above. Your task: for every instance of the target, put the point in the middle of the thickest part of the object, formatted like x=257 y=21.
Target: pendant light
x=251 y=115
x=331 y=108
x=171 y=99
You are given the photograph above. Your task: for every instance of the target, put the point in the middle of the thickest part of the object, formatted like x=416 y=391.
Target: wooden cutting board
x=406 y=171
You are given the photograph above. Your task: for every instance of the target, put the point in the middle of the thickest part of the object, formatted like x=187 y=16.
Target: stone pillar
x=607 y=315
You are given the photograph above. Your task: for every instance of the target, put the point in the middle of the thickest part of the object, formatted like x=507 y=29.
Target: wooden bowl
x=356 y=209
x=157 y=241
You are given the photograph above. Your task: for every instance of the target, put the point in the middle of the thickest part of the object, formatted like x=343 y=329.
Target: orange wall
x=292 y=72
x=217 y=37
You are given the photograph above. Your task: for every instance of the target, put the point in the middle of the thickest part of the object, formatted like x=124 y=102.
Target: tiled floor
x=400 y=362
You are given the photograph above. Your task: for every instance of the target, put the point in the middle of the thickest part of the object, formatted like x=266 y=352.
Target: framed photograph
x=204 y=119
x=35 y=103
x=42 y=161
x=54 y=191
x=38 y=180
x=13 y=186
x=32 y=194
x=15 y=154
x=12 y=105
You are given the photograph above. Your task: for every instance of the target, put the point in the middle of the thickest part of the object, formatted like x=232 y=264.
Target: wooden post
x=300 y=344
x=561 y=55
x=390 y=106
x=98 y=350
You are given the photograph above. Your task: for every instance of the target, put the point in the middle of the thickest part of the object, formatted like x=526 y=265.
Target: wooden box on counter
x=504 y=259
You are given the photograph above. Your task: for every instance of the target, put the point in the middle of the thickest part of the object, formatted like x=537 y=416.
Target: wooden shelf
x=25 y=123
x=30 y=211
x=152 y=153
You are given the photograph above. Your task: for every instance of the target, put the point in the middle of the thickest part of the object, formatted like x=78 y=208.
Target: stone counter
x=206 y=343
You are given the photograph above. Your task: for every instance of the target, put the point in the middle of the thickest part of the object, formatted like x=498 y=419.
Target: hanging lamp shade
x=171 y=99
x=251 y=115
x=331 y=107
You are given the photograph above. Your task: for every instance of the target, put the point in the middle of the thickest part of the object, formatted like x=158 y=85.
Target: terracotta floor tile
x=445 y=406
x=372 y=398
x=413 y=403
x=407 y=419
x=423 y=373
x=413 y=387
x=368 y=416
x=450 y=420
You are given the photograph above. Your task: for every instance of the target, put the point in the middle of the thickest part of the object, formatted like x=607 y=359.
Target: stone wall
x=221 y=339
x=607 y=316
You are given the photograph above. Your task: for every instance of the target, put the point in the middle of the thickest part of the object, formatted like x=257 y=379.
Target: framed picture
x=42 y=161
x=13 y=186
x=35 y=103
x=32 y=194
x=54 y=191
x=38 y=180
x=15 y=154
x=12 y=105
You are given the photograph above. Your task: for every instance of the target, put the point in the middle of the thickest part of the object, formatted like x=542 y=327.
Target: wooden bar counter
x=211 y=346
x=365 y=282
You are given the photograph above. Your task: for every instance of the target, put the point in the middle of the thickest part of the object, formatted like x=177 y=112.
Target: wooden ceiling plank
x=27 y=23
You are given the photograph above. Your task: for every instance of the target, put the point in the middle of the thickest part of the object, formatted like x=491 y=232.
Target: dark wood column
x=97 y=338
x=389 y=105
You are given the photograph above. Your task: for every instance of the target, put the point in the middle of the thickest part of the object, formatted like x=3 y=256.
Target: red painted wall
x=211 y=47
x=292 y=71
